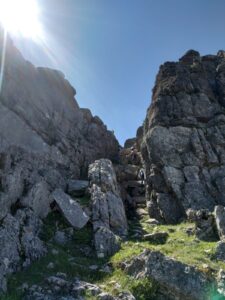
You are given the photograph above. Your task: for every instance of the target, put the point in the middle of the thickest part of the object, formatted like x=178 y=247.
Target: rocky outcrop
x=45 y=137
x=46 y=143
x=19 y=243
x=108 y=213
x=183 y=145
x=39 y=113
x=175 y=279
x=59 y=287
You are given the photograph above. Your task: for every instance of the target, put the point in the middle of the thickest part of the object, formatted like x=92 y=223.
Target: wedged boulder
x=77 y=188
x=70 y=209
x=220 y=220
x=38 y=199
x=108 y=213
x=126 y=172
x=175 y=279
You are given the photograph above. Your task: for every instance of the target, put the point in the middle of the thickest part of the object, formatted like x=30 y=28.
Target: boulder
x=220 y=251
x=102 y=174
x=175 y=279
x=220 y=220
x=77 y=188
x=70 y=209
x=157 y=237
x=205 y=225
x=106 y=242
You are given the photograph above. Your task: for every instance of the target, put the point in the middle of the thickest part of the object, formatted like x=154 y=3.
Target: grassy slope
x=71 y=260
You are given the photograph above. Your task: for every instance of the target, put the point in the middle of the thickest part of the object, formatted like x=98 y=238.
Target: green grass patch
x=72 y=260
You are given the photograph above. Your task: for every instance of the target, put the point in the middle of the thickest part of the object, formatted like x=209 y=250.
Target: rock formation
x=46 y=143
x=183 y=145
x=44 y=117
x=108 y=213
x=56 y=157
x=176 y=280
x=45 y=137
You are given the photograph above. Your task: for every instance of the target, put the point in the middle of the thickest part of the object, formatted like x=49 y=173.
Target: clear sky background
x=111 y=50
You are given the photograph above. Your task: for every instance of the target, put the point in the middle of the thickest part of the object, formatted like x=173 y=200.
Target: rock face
x=108 y=213
x=176 y=280
x=44 y=135
x=19 y=243
x=183 y=145
x=44 y=117
x=46 y=142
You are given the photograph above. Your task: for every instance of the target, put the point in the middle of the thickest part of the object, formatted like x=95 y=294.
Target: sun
x=21 y=17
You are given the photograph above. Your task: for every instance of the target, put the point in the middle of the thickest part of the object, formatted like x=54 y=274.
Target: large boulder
x=182 y=144
x=108 y=213
x=70 y=209
x=175 y=279
x=77 y=188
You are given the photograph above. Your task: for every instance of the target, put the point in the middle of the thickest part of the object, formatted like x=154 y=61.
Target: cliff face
x=183 y=137
x=38 y=113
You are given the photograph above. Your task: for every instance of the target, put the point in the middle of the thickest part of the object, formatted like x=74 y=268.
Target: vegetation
x=70 y=258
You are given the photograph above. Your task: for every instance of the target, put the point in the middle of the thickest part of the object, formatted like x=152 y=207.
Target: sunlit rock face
x=38 y=112
x=183 y=144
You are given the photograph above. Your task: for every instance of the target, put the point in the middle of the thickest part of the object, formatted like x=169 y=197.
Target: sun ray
x=3 y=59
x=21 y=17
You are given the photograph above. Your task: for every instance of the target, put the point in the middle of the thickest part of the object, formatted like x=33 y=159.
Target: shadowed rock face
x=38 y=112
x=183 y=144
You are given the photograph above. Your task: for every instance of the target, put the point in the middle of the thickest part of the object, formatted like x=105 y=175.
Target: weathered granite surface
x=183 y=144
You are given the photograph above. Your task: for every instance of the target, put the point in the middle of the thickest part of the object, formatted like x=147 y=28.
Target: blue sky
x=111 y=50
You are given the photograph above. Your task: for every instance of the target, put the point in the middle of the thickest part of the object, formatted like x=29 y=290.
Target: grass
x=72 y=261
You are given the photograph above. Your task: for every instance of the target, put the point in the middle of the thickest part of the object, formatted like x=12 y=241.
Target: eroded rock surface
x=176 y=280
x=45 y=137
x=108 y=213
x=183 y=145
x=59 y=287
x=19 y=243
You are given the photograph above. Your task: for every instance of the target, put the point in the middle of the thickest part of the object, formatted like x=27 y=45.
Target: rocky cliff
x=38 y=113
x=183 y=137
x=45 y=137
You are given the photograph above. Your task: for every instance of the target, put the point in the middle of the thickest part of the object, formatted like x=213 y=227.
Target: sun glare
x=21 y=17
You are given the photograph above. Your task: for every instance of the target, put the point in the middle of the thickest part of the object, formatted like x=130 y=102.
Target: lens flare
x=21 y=17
